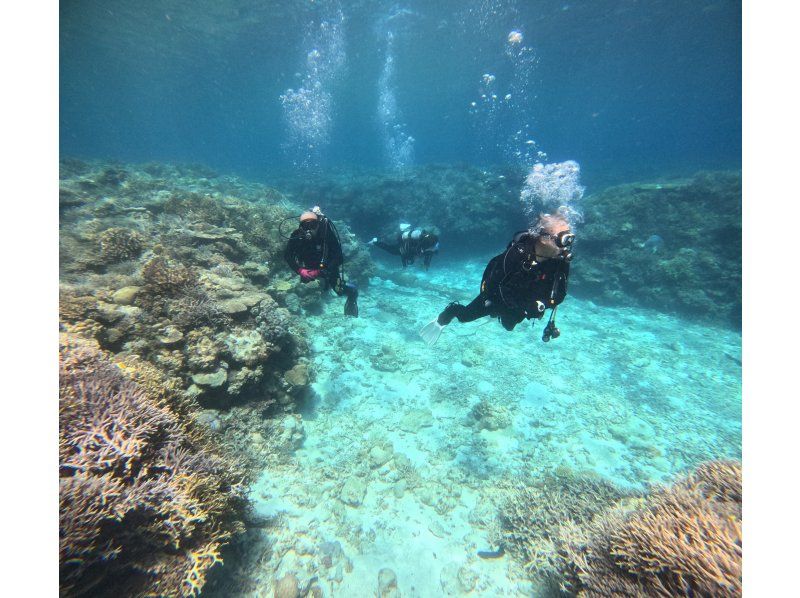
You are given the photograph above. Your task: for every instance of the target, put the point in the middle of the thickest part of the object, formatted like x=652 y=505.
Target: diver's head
x=309 y=223
x=553 y=237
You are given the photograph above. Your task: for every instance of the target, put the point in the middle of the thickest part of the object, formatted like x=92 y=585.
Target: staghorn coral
x=685 y=540
x=145 y=498
x=534 y=509
x=198 y=309
x=120 y=244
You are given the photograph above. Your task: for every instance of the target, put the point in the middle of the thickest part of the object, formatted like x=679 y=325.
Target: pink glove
x=307 y=275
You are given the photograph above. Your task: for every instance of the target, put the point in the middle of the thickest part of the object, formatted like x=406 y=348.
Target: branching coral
x=198 y=309
x=141 y=491
x=73 y=307
x=685 y=540
x=120 y=244
x=164 y=277
x=534 y=509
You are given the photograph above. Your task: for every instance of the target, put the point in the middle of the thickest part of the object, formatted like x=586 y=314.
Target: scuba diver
x=411 y=243
x=314 y=251
x=529 y=277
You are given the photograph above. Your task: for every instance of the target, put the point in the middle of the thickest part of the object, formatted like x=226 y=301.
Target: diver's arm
x=291 y=254
x=332 y=252
x=562 y=276
x=428 y=258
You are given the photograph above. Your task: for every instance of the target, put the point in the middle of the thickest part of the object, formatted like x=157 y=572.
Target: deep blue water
x=630 y=89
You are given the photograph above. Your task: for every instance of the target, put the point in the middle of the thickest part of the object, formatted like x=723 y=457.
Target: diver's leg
x=464 y=313
x=393 y=249
x=349 y=290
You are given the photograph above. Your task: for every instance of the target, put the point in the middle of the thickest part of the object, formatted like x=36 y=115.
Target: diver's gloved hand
x=307 y=275
x=372 y=241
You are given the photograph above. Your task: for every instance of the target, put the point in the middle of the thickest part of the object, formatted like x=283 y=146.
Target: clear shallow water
x=632 y=395
x=629 y=89
x=406 y=447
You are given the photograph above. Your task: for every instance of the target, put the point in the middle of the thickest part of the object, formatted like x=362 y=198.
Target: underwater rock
x=213 y=379
x=353 y=491
x=287 y=587
x=673 y=246
x=170 y=336
x=416 y=419
x=210 y=419
x=399 y=488
x=387 y=584
x=456 y=580
x=298 y=376
x=233 y=307
x=378 y=455
x=292 y=433
x=489 y=416
x=125 y=295
x=437 y=529
x=247 y=347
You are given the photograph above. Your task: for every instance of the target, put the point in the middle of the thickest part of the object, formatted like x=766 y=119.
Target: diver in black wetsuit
x=411 y=243
x=529 y=277
x=315 y=252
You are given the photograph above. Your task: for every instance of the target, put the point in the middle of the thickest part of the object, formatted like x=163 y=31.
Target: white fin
x=431 y=331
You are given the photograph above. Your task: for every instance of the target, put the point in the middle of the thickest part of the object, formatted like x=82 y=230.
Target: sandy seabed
x=407 y=447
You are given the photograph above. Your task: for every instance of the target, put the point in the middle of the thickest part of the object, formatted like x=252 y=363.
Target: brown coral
x=165 y=277
x=534 y=509
x=145 y=499
x=120 y=244
x=685 y=540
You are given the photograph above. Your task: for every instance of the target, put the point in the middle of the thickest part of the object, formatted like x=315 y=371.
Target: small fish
x=653 y=244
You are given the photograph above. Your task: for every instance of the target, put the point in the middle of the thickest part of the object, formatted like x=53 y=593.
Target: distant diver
x=529 y=277
x=411 y=243
x=314 y=251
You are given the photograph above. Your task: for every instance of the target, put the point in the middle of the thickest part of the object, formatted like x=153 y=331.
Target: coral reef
x=184 y=269
x=534 y=509
x=146 y=499
x=681 y=540
x=692 y=268
x=473 y=208
x=695 y=268
x=120 y=244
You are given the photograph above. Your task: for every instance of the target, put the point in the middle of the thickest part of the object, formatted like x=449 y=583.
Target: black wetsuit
x=511 y=287
x=409 y=249
x=322 y=252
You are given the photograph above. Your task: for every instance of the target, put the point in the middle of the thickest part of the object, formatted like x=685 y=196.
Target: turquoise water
x=630 y=394
x=367 y=450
